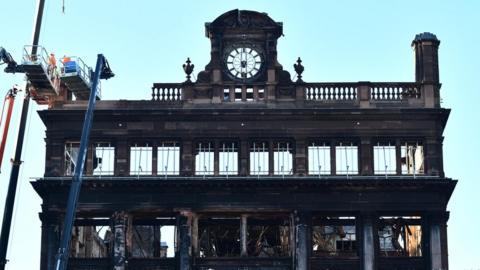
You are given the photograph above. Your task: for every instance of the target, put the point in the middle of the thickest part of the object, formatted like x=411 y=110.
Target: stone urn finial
x=299 y=69
x=188 y=68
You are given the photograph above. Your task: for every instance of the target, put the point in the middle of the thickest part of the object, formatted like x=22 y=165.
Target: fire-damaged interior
x=247 y=168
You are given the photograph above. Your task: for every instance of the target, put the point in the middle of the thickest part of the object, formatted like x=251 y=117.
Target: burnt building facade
x=247 y=168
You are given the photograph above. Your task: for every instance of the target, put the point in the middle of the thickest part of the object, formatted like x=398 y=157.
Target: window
x=334 y=237
x=103 y=159
x=412 y=158
x=153 y=241
x=282 y=158
x=269 y=237
x=141 y=159
x=259 y=158
x=319 y=159
x=228 y=155
x=204 y=158
x=91 y=241
x=384 y=158
x=400 y=236
x=219 y=237
x=346 y=158
x=168 y=159
x=71 y=155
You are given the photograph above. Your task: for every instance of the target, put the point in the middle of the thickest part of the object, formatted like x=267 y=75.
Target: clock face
x=243 y=62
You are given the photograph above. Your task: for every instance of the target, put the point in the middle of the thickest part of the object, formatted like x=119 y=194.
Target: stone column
x=54 y=157
x=433 y=156
x=244 y=157
x=243 y=235
x=438 y=241
x=195 y=243
x=300 y=157
x=303 y=241
x=122 y=166
x=50 y=238
x=368 y=241
x=120 y=221
x=366 y=156
x=187 y=165
x=363 y=94
x=184 y=240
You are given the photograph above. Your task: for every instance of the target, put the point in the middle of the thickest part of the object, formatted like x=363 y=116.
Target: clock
x=243 y=62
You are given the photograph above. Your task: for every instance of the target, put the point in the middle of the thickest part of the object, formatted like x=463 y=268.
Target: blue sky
x=148 y=41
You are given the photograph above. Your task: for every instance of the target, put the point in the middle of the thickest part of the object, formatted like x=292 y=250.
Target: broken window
x=400 y=236
x=204 y=158
x=412 y=158
x=346 y=158
x=141 y=159
x=168 y=159
x=71 y=155
x=384 y=158
x=153 y=241
x=219 y=237
x=319 y=158
x=268 y=237
x=228 y=155
x=103 y=159
x=282 y=158
x=91 y=242
x=259 y=158
x=334 y=236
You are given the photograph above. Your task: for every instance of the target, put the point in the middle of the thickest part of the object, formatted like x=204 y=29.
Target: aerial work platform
x=42 y=75
x=76 y=76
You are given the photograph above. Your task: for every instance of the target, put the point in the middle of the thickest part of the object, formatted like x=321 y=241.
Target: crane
x=6 y=58
x=102 y=71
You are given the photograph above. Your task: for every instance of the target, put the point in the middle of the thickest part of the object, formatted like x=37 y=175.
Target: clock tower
x=243 y=49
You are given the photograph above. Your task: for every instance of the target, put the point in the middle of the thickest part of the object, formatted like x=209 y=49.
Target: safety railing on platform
x=73 y=64
x=41 y=57
x=394 y=91
x=167 y=92
x=331 y=91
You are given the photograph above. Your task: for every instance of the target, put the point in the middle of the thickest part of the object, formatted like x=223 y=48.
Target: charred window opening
x=268 y=237
x=153 y=240
x=412 y=157
x=103 y=158
x=384 y=158
x=71 y=155
x=238 y=94
x=319 y=158
x=92 y=241
x=228 y=155
x=141 y=159
x=400 y=236
x=346 y=158
x=259 y=153
x=334 y=237
x=282 y=158
x=204 y=158
x=249 y=94
x=168 y=159
x=219 y=237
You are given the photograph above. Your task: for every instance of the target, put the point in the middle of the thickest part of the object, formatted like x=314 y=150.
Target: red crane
x=8 y=104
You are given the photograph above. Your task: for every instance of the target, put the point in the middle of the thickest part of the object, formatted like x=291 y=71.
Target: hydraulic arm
x=102 y=71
